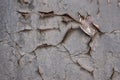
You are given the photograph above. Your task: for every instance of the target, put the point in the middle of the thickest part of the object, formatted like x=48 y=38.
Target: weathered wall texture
x=59 y=40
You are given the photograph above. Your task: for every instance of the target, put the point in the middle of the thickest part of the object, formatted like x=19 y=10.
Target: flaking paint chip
x=86 y=27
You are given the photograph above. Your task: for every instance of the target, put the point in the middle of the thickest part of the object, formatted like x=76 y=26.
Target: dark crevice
x=98 y=11
x=25 y=15
x=67 y=18
x=113 y=71
x=34 y=54
x=48 y=29
x=45 y=45
x=46 y=14
x=90 y=50
x=98 y=30
x=40 y=30
x=82 y=68
x=81 y=16
x=24 y=30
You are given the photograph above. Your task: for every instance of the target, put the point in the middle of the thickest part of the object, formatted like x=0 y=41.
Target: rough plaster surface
x=59 y=40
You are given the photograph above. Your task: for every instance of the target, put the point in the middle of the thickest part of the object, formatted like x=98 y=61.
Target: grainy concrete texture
x=59 y=39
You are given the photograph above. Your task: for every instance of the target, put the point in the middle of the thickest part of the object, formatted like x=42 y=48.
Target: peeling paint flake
x=87 y=28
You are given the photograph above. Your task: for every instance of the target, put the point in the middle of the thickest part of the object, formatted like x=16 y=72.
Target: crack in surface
x=65 y=19
x=67 y=34
x=46 y=14
x=49 y=14
x=68 y=19
x=115 y=31
x=16 y=46
x=47 y=29
x=98 y=11
x=40 y=71
x=44 y=45
x=90 y=50
x=113 y=72
x=82 y=68
x=24 y=30
x=24 y=14
x=91 y=34
x=77 y=63
x=69 y=54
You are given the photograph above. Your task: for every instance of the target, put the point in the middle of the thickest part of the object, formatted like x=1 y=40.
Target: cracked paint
x=60 y=40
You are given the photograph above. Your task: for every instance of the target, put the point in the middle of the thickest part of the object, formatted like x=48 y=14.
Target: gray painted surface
x=59 y=40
